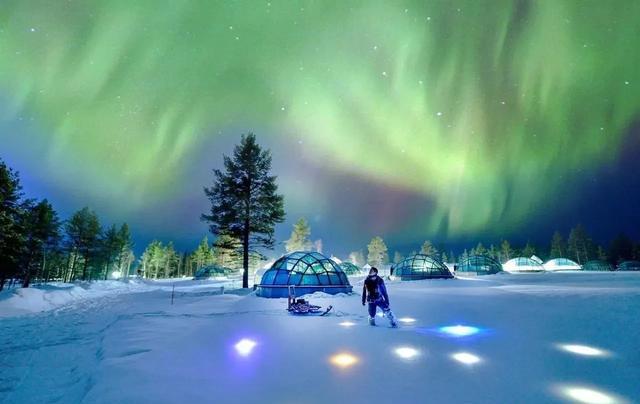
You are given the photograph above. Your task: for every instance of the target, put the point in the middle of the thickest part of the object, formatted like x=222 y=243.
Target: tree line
x=35 y=244
x=578 y=246
x=222 y=257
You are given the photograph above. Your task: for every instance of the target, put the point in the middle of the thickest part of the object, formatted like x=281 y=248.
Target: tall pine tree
x=377 y=252
x=83 y=238
x=299 y=240
x=558 y=247
x=41 y=230
x=10 y=234
x=428 y=248
x=244 y=200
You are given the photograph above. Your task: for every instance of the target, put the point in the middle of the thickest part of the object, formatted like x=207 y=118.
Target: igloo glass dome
x=522 y=264
x=308 y=271
x=598 y=265
x=561 y=264
x=350 y=269
x=480 y=265
x=421 y=266
x=629 y=266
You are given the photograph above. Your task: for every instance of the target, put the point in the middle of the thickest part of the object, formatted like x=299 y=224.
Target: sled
x=303 y=307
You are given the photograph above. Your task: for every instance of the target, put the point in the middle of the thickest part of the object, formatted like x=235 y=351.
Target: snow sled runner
x=303 y=307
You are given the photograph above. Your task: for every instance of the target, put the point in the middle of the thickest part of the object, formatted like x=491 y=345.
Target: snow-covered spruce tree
x=357 y=257
x=110 y=248
x=10 y=235
x=397 y=257
x=41 y=230
x=227 y=251
x=377 y=252
x=299 y=240
x=579 y=245
x=479 y=250
x=428 y=248
x=558 y=246
x=83 y=240
x=506 y=252
x=244 y=200
x=529 y=250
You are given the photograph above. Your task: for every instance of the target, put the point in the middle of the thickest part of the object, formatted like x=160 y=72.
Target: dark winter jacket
x=375 y=289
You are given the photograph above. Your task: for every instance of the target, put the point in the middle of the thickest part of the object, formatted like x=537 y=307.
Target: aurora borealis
x=410 y=119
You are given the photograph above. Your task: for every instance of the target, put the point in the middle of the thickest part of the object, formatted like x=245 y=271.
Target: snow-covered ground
x=535 y=338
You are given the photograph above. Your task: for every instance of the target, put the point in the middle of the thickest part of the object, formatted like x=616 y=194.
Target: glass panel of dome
x=317 y=268
x=309 y=259
x=282 y=277
x=268 y=277
x=324 y=279
x=310 y=279
x=295 y=278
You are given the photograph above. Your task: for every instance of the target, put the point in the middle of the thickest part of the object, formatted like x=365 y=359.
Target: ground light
x=347 y=324
x=588 y=396
x=343 y=360
x=466 y=358
x=582 y=350
x=459 y=330
x=407 y=320
x=245 y=346
x=406 y=352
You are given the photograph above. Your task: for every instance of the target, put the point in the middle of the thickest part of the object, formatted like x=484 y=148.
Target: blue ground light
x=459 y=331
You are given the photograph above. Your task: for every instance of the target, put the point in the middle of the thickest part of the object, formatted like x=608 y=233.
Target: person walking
x=374 y=292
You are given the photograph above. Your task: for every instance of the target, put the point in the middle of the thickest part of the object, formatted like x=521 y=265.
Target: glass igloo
x=420 y=266
x=211 y=271
x=629 y=266
x=522 y=264
x=308 y=271
x=598 y=265
x=561 y=264
x=350 y=269
x=480 y=265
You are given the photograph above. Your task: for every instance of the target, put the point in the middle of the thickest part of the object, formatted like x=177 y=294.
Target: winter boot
x=372 y=321
x=392 y=318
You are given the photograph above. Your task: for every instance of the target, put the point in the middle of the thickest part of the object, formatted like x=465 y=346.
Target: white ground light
x=245 y=346
x=466 y=358
x=406 y=352
x=583 y=350
x=590 y=396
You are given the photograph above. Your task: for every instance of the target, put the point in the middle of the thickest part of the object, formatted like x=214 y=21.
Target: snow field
x=497 y=339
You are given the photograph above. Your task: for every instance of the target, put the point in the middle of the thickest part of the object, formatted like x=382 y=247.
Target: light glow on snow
x=343 y=360
x=583 y=350
x=245 y=346
x=588 y=396
x=466 y=358
x=459 y=330
x=406 y=352
x=407 y=320
x=347 y=324
x=116 y=274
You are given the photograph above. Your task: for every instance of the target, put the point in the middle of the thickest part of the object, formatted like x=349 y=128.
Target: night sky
x=456 y=121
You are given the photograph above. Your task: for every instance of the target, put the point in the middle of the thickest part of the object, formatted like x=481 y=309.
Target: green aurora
x=481 y=107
